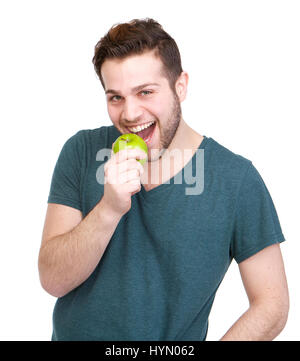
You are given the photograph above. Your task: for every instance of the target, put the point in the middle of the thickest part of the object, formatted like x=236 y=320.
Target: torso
x=166 y=168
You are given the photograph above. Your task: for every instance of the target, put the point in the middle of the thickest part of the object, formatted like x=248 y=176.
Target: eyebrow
x=133 y=90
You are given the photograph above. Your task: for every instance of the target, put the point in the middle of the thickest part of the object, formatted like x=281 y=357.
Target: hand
x=122 y=179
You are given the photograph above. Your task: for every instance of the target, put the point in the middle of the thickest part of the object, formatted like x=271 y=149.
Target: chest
x=170 y=165
x=182 y=227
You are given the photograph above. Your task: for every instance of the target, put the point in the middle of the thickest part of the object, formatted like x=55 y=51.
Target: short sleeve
x=66 y=178
x=256 y=223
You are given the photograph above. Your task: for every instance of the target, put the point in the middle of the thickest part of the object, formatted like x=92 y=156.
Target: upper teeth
x=140 y=127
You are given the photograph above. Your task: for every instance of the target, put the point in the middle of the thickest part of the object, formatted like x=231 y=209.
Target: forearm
x=261 y=322
x=69 y=259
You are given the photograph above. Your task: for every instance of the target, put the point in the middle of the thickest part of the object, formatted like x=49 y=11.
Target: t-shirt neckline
x=166 y=185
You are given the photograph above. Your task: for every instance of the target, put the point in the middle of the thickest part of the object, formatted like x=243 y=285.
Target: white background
x=243 y=60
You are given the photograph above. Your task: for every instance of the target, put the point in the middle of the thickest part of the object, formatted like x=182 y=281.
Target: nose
x=132 y=110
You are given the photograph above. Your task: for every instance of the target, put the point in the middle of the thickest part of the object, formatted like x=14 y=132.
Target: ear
x=181 y=85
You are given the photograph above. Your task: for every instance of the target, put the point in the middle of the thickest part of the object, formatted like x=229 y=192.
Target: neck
x=185 y=137
x=182 y=148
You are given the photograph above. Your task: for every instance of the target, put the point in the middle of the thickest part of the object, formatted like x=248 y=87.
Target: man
x=133 y=259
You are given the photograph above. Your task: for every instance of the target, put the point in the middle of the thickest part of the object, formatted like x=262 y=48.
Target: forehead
x=132 y=70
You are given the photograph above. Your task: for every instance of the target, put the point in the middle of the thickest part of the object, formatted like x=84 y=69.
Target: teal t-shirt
x=159 y=274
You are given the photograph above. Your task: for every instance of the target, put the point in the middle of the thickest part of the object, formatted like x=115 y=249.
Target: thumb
x=112 y=152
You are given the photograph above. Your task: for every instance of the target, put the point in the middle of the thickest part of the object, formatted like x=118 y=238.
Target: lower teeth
x=147 y=139
x=151 y=134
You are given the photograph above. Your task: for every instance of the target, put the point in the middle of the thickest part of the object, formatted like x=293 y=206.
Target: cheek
x=162 y=106
x=157 y=108
x=113 y=113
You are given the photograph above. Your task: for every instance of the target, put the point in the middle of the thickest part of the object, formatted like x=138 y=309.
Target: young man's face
x=138 y=94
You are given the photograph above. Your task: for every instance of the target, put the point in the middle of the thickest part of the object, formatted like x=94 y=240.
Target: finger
x=130 y=164
x=134 y=186
x=125 y=154
x=129 y=154
x=129 y=176
x=116 y=173
x=112 y=152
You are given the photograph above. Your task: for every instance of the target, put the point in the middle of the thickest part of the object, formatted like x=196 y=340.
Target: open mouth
x=147 y=133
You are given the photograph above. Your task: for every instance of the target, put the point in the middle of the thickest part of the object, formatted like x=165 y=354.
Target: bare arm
x=68 y=258
x=71 y=246
x=265 y=283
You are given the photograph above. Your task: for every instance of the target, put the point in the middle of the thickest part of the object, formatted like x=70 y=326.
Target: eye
x=145 y=92
x=114 y=98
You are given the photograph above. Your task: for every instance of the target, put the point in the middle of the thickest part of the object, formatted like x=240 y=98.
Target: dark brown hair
x=136 y=37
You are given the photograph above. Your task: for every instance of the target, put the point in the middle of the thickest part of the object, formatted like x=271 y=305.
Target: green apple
x=130 y=141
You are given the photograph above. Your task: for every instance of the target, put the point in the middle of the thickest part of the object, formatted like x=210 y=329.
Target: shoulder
x=226 y=162
x=101 y=137
x=103 y=134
